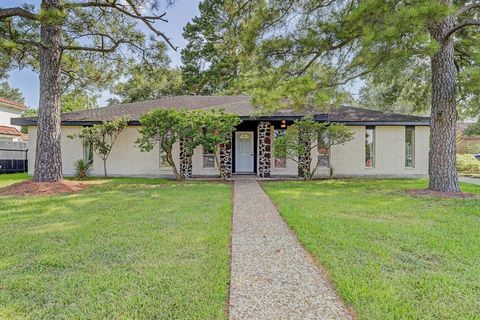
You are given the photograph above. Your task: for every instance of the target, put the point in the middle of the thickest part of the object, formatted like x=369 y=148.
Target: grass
x=11 y=178
x=129 y=248
x=389 y=255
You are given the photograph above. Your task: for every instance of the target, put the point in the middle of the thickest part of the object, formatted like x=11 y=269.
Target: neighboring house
x=13 y=146
x=384 y=144
x=465 y=141
x=8 y=110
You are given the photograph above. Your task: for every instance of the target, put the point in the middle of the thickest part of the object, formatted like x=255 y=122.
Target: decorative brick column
x=304 y=159
x=264 y=149
x=185 y=161
x=226 y=159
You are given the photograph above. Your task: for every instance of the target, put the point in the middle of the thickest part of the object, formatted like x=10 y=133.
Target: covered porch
x=250 y=149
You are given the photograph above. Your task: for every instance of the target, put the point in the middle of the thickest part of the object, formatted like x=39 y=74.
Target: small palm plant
x=82 y=169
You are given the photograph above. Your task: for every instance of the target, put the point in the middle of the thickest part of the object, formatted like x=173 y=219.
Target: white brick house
x=384 y=144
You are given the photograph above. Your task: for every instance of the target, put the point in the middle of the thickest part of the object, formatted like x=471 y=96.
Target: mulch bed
x=431 y=193
x=31 y=188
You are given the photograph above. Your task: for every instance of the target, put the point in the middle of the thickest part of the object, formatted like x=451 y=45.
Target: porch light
x=283 y=124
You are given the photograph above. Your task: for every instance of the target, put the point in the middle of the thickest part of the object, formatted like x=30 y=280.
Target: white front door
x=244 y=151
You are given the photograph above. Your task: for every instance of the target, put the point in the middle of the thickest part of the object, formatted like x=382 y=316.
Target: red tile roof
x=14 y=104
x=10 y=131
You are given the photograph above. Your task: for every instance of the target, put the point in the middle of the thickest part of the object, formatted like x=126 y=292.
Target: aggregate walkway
x=272 y=275
x=469 y=180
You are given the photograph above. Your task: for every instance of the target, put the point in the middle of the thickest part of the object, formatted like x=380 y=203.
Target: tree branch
x=147 y=20
x=94 y=49
x=117 y=7
x=466 y=8
x=460 y=26
x=13 y=38
x=319 y=53
x=17 y=12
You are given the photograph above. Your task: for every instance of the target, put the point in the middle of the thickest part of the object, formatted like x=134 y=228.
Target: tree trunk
x=219 y=165
x=105 y=168
x=48 y=157
x=177 y=174
x=442 y=158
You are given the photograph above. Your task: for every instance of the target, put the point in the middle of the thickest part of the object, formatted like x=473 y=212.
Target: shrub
x=473 y=129
x=102 y=137
x=467 y=163
x=306 y=135
x=472 y=148
x=82 y=169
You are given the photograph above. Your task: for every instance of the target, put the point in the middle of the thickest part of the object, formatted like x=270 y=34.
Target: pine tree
x=55 y=38
x=211 y=57
x=310 y=50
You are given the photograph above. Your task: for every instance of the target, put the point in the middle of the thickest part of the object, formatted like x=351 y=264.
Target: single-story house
x=384 y=144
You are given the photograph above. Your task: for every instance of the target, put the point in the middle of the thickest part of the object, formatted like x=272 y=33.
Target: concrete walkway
x=469 y=180
x=272 y=275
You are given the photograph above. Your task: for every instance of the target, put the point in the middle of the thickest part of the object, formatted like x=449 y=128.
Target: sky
x=178 y=14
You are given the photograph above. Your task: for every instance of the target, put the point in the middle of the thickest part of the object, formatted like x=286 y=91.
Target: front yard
x=128 y=248
x=148 y=249
x=390 y=256
x=8 y=179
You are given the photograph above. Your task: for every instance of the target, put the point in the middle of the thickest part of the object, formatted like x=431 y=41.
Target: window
x=409 y=146
x=280 y=162
x=323 y=151
x=163 y=159
x=162 y=154
x=208 y=158
x=370 y=147
x=87 y=152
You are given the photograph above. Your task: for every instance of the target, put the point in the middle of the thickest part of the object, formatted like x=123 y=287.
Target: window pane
x=409 y=146
x=280 y=162
x=163 y=159
x=323 y=151
x=87 y=153
x=370 y=147
x=323 y=160
x=208 y=161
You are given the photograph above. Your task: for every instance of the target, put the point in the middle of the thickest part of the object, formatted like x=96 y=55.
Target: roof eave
x=384 y=123
x=33 y=122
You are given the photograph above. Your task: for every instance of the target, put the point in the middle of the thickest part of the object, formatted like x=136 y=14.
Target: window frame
x=208 y=154
x=412 y=147
x=87 y=152
x=373 y=144
x=323 y=155
x=161 y=162
x=275 y=159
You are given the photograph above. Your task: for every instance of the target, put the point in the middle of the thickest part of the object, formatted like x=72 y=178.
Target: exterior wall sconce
x=283 y=124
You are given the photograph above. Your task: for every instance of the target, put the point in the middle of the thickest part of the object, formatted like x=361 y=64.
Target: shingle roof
x=14 y=104
x=354 y=114
x=10 y=131
x=240 y=105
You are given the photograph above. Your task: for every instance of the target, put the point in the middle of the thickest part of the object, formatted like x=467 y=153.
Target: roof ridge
x=13 y=103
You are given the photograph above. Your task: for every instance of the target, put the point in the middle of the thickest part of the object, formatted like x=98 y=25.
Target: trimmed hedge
x=468 y=163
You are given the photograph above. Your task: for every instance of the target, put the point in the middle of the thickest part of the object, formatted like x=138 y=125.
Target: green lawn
x=11 y=178
x=390 y=256
x=130 y=248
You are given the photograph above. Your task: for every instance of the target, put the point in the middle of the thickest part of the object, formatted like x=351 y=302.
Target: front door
x=244 y=151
